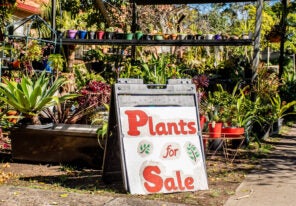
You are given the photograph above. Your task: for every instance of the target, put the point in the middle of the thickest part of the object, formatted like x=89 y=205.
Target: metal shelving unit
x=123 y=42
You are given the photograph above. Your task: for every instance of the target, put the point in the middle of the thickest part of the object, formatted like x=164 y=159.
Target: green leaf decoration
x=192 y=152
x=145 y=148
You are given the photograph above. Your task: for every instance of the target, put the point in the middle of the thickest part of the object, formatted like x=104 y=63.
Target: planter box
x=62 y=143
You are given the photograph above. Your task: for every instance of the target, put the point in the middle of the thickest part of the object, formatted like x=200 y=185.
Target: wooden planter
x=72 y=144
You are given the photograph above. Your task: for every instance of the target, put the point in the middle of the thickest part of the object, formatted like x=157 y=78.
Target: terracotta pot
x=12 y=113
x=166 y=36
x=174 y=36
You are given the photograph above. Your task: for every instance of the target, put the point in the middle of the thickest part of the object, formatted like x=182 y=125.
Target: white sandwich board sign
x=158 y=138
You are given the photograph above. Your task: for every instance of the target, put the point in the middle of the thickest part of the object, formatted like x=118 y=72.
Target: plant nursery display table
x=229 y=152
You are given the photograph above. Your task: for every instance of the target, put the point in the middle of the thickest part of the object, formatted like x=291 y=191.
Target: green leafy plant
x=56 y=61
x=102 y=26
x=103 y=131
x=281 y=108
x=30 y=96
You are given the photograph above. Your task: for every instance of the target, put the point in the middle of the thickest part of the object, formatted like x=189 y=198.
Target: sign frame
x=133 y=93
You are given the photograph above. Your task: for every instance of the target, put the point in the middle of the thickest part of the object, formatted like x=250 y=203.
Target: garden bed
x=223 y=179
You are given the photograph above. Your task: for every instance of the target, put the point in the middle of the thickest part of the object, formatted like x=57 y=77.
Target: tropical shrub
x=33 y=94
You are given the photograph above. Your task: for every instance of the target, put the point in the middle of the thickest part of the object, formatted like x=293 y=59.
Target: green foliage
x=31 y=96
x=7 y=7
x=288 y=87
x=93 y=55
x=33 y=52
x=221 y=104
x=56 y=61
x=281 y=109
x=103 y=131
x=159 y=68
x=66 y=22
x=266 y=84
x=83 y=77
x=130 y=71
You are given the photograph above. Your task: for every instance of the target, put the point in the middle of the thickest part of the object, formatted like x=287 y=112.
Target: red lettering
x=189 y=183
x=136 y=118
x=170 y=152
x=181 y=187
x=150 y=174
x=191 y=127
x=169 y=184
x=152 y=132
x=139 y=118
x=155 y=183
x=182 y=125
x=171 y=126
x=161 y=129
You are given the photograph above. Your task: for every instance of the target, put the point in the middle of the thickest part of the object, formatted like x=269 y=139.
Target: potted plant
x=110 y=33
x=32 y=56
x=280 y=110
x=92 y=32
x=214 y=125
x=101 y=30
x=158 y=36
x=56 y=63
x=94 y=60
x=33 y=141
x=32 y=95
x=128 y=33
x=68 y=24
x=199 y=35
x=138 y=34
x=150 y=32
x=82 y=32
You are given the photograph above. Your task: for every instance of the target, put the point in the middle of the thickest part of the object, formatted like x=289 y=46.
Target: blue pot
x=82 y=34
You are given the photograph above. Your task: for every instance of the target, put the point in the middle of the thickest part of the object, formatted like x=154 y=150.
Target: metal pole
x=294 y=58
x=0 y=69
x=53 y=19
x=256 y=56
x=283 y=37
x=268 y=55
x=134 y=27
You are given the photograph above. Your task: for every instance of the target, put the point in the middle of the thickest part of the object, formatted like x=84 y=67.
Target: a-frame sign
x=154 y=142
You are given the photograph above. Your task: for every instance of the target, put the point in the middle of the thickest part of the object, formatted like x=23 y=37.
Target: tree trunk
x=100 y=5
